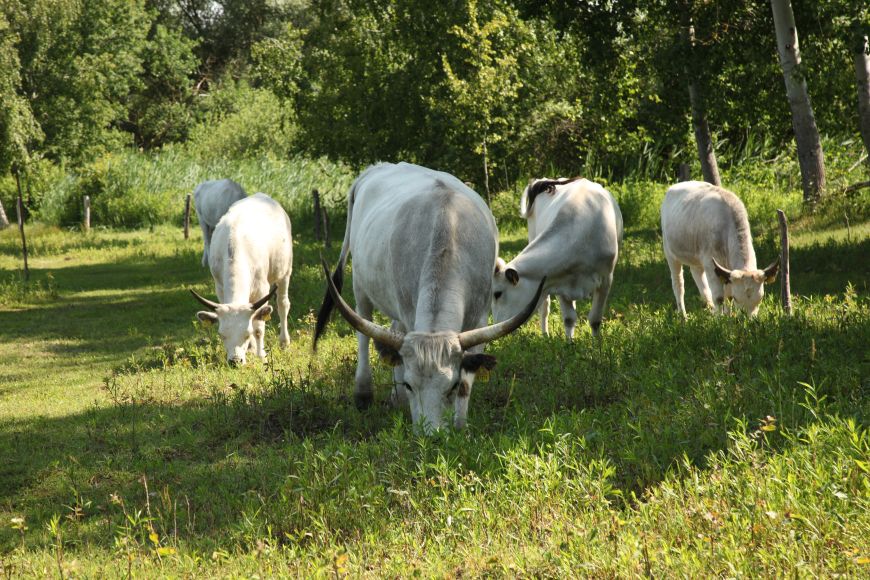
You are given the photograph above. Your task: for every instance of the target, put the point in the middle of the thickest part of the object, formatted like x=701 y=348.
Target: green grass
x=129 y=446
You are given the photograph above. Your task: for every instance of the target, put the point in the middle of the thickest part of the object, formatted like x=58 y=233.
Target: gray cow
x=424 y=247
x=212 y=199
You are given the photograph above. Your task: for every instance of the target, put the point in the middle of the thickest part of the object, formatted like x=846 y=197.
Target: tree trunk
x=4 y=221
x=862 y=77
x=806 y=134
x=703 y=139
x=20 y=211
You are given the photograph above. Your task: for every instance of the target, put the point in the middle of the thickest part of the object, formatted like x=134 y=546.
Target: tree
x=809 y=146
x=4 y=221
x=482 y=79
x=861 y=56
x=703 y=139
x=18 y=128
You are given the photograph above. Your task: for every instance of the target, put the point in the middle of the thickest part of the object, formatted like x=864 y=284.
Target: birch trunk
x=703 y=139
x=862 y=78
x=806 y=134
x=4 y=221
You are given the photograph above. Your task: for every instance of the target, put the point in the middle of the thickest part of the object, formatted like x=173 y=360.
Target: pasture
x=712 y=446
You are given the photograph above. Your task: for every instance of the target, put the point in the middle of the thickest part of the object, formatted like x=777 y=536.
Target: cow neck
x=741 y=253
x=237 y=276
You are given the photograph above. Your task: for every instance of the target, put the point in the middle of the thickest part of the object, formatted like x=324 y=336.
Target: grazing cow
x=706 y=228
x=575 y=229
x=212 y=199
x=424 y=245
x=251 y=249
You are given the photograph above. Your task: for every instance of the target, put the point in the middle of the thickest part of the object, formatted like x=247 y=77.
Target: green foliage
x=241 y=123
x=18 y=129
x=277 y=63
x=163 y=110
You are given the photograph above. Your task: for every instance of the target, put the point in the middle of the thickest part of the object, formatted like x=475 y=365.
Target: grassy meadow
x=706 y=447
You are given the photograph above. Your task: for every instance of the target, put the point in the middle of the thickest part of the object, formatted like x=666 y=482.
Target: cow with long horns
x=424 y=247
x=251 y=249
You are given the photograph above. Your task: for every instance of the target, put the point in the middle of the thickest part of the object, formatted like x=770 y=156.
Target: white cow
x=424 y=245
x=212 y=199
x=706 y=228
x=575 y=229
x=251 y=249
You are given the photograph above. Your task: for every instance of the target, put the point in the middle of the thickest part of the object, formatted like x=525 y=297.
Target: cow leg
x=701 y=283
x=544 y=313
x=599 y=302
x=363 y=394
x=677 y=283
x=569 y=315
x=717 y=288
x=206 y=241
x=283 y=300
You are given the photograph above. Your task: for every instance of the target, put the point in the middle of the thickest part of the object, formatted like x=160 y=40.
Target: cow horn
x=206 y=302
x=367 y=327
x=264 y=299
x=471 y=338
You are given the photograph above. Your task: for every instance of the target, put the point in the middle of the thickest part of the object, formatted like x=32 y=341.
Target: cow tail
x=338 y=275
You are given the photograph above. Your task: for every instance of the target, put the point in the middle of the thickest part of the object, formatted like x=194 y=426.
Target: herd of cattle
x=425 y=254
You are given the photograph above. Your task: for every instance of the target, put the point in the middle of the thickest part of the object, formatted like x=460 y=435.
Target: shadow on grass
x=654 y=390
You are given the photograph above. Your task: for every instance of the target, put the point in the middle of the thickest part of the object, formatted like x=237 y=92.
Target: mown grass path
x=128 y=446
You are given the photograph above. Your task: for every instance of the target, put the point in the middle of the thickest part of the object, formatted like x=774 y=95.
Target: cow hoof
x=363 y=400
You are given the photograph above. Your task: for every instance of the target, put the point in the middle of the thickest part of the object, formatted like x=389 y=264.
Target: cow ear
x=512 y=276
x=471 y=363
x=207 y=317
x=723 y=273
x=263 y=313
x=388 y=354
x=771 y=271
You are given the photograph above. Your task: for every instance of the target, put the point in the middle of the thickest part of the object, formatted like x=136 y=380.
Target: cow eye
x=497 y=295
x=407 y=386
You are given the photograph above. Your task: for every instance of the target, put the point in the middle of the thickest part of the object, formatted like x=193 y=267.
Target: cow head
x=747 y=286
x=438 y=369
x=238 y=324
x=510 y=291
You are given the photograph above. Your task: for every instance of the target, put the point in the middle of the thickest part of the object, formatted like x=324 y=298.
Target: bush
x=243 y=123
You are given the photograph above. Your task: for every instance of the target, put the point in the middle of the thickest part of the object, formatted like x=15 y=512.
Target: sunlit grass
x=711 y=446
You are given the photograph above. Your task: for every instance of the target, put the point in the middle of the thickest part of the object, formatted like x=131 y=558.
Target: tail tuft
x=328 y=304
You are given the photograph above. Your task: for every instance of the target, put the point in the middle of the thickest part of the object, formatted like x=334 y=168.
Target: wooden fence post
x=20 y=211
x=87 y=219
x=321 y=220
x=187 y=217
x=784 y=281
x=684 y=174
x=317 y=217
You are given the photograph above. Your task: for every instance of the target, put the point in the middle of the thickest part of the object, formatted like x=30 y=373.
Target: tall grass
x=133 y=189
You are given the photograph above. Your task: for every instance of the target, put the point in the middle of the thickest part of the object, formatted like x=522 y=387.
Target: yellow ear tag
x=482 y=375
x=267 y=317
